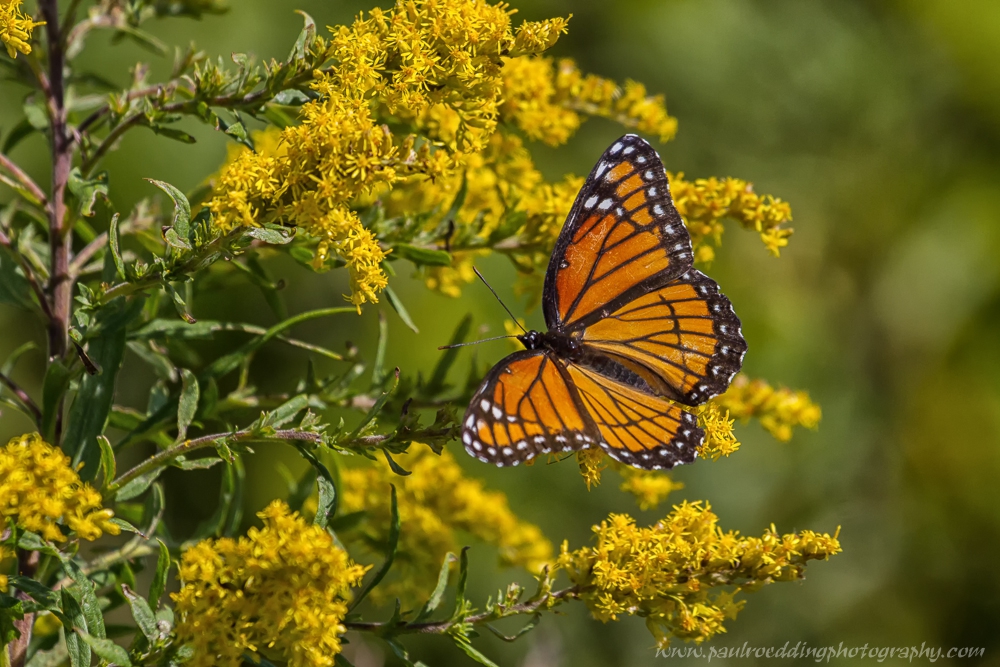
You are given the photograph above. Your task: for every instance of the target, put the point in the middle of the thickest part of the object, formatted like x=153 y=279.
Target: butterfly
x=633 y=331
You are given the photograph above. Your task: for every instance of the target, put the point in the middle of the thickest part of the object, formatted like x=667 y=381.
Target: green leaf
x=300 y=490
x=395 y=467
x=86 y=190
x=142 y=38
x=442 y=584
x=464 y=644
x=18 y=133
x=327 y=489
x=378 y=368
x=179 y=304
x=400 y=651
x=422 y=256
x=137 y=486
x=15 y=356
x=390 y=550
x=106 y=649
x=92 y=404
x=11 y=610
x=229 y=511
x=182 y=209
x=463 y=580
x=54 y=386
x=528 y=627
x=72 y=617
x=89 y=604
x=39 y=592
x=286 y=412
x=447 y=360
x=143 y=615
x=305 y=39
x=268 y=287
x=400 y=309
x=108 y=465
x=115 y=245
x=159 y=584
x=271 y=234
x=188 y=403
x=173 y=133
x=14 y=287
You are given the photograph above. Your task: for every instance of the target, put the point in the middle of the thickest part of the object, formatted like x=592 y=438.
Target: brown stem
x=60 y=240
x=23 y=397
x=27 y=564
x=24 y=180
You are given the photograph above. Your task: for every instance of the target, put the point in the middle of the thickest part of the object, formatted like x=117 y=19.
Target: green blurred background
x=880 y=123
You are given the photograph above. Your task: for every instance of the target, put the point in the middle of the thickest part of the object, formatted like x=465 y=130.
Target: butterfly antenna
x=474 y=342
x=499 y=299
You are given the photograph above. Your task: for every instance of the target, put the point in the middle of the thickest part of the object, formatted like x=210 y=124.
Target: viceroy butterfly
x=633 y=331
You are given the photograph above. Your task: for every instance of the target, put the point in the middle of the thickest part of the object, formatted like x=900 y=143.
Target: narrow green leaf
x=39 y=592
x=400 y=309
x=14 y=287
x=15 y=356
x=286 y=412
x=141 y=612
x=11 y=610
x=188 y=403
x=305 y=39
x=115 y=245
x=463 y=580
x=400 y=651
x=302 y=489
x=137 y=486
x=377 y=407
x=395 y=467
x=447 y=360
x=390 y=551
x=442 y=585
x=142 y=38
x=86 y=190
x=72 y=617
x=230 y=494
x=173 y=133
x=18 y=133
x=464 y=644
x=54 y=386
x=232 y=525
x=378 y=370
x=182 y=208
x=159 y=584
x=108 y=465
x=327 y=489
x=89 y=604
x=92 y=404
x=422 y=256
x=271 y=235
x=106 y=649
x=179 y=304
x=528 y=627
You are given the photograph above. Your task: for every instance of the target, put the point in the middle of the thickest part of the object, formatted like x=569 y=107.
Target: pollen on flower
x=16 y=28
x=42 y=493
x=778 y=410
x=280 y=592
x=592 y=462
x=683 y=572
x=705 y=202
x=435 y=500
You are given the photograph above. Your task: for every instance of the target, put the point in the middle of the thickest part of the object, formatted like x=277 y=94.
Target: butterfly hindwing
x=636 y=428
x=683 y=339
x=523 y=408
x=622 y=236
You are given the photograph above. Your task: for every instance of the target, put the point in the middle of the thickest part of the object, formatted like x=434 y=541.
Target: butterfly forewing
x=622 y=236
x=637 y=428
x=523 y=408
x=683 y=339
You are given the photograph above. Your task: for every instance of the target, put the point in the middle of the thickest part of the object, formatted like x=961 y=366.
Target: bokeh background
x=880 y=123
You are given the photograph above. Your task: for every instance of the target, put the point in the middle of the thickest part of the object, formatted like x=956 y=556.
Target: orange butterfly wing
x=622 y=236
x=683 y=339
x=636 y=428
x=526 y=406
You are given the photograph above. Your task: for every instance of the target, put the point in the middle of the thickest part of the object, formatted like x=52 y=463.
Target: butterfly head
x=531 y=340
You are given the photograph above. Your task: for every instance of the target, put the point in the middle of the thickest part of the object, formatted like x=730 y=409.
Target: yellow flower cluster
x=431 y=64
x=279 y=592
x=682 y=573
x=546 y=102
x=5 y=553
x=42 y=493
x=778 y=410
x=15 y=28
x=434 y=501
x=704 y=202
x=719 y=437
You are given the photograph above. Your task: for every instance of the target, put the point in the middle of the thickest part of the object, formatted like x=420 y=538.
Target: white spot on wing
x=606 y=204
x=590 y=202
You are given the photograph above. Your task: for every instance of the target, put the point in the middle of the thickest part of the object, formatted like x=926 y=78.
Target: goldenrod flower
x=706 y=201
x=15 y=28
x=546 y=103
x=280 y=591
x=719 y=437
x=592 y=462
x=433 y=65
x=682 y=573
x=42 y=493
x=778 y=410
x=435 y=500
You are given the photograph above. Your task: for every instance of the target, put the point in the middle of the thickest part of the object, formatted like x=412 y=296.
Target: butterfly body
x=634 y=332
